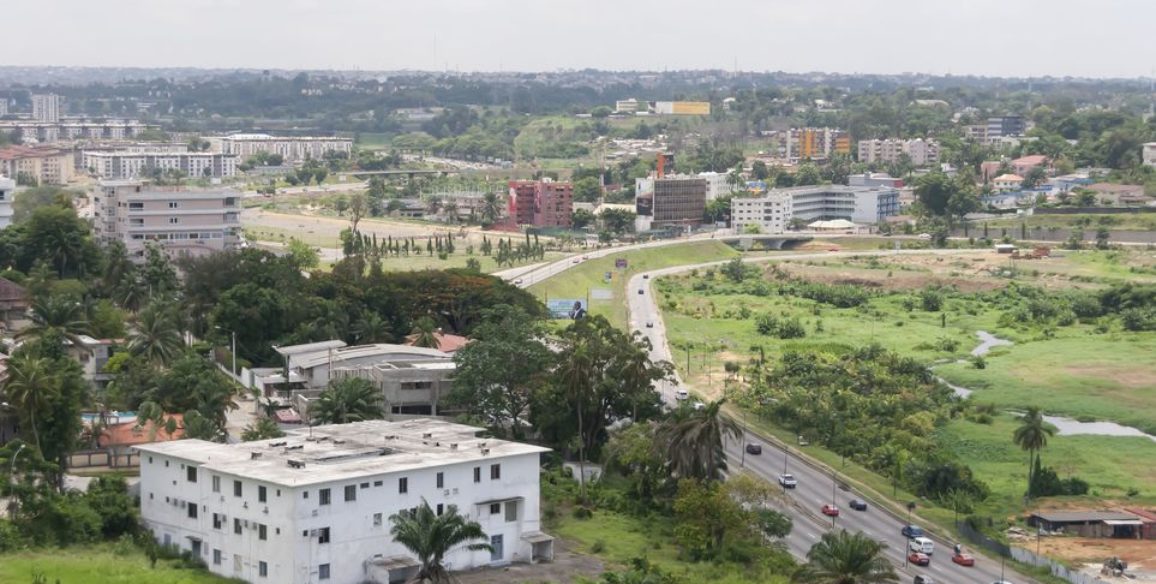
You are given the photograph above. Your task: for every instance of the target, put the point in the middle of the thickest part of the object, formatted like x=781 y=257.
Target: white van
x=922 y=545
x=681 y=395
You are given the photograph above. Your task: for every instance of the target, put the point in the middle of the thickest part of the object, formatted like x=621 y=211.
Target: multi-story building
x=1003 y=126
x=316 y=505
x=770 y=213
x=31 y=132
x=45 y=165
x=773 y=212
x=920 y=152
x=875 y=179
x=292 y=149
x=1150 y=154
x=815 y=143
x=543 y=203
x=182 y=221
x=7 y=192
x=128 y=165
x=629 y=106
x=46 y=108
x=717 y=184
x=521 y=201
x=3 y=106
x=676 y=202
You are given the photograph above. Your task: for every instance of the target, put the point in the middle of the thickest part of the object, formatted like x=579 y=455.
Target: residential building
x=130 y=165
x=773 y=212
x=120 y=434
x=815 y=143
x=45 y=165
x=1023 y=166
x=1149 y=154
x=7 y=193
x=292 y=149
x=874 y=179
x=1119 y=195
x=999 y=127
x=93 y=356
x=629 y=106
x=3 y=106
x=520 y=203
x=681 y=108
x=543 y=203
x=46 y=132
x=447 y=343
x=976 y=132
x=770 y=213
x=14 y=305
x=181 y=220
x=717 y=184
x=675 y=202
x=1007 y=182
x=920 y=152
x=315 y=505
x=46 y=108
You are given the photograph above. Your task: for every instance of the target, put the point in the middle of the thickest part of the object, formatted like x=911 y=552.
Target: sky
x=1023 y=38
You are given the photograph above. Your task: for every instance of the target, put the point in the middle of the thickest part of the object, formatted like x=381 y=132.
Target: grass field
x=108 y=564
x=1124 y=221
x=580 y=281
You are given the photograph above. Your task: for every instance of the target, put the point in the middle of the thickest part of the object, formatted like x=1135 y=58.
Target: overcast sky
x=1100 y=38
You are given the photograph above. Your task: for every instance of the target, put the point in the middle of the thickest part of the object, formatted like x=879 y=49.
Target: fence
x=977 y=539
x=103 y=458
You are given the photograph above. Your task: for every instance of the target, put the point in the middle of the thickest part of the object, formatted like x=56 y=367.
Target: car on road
x=858 y=504
x=830 y=510
x=963 y=559
x=788 y=481
x=919 y=559
x=910 y=531
x=649 y=324
x=518 y=281
x=641 y=292
x=921 y=579
x=921 y=545
x=755 y=449
x=576 y=260
x=1001 y=582
x=646 y=276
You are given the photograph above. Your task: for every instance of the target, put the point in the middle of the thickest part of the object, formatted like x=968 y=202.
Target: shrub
x=931 y=300
x=978 y=362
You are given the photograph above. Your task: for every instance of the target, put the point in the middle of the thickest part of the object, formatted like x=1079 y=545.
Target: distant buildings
x=675 y=201
x=1007 y=182
x=129 y=165
x=875 y=179
x=1025 y=165
x=543 y=203
x=3 y=106
x=182 y=221
x=1004 y=126
x=920 y=152
x=46 y=108
x=663 y=108
x=629 y=106
x=291 y=149
x=773 y=212
x=1149 y=154
x=315 y=505
x=815 y=143
x=45 y=165
x=45 y=132
x=7 y=192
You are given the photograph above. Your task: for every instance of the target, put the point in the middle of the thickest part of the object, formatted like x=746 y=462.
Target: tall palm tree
x=371 y=328
x=57 y=315
x=348 y=400
x=491 y=208
x=846 y=558
x=29 y=384
x=425 y=333
x=430 y=537
x=576 y=373
x=1032 y=435
x=695 y=441
x=155 y=335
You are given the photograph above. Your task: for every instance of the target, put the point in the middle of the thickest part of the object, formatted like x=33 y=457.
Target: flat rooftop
x=341 y=452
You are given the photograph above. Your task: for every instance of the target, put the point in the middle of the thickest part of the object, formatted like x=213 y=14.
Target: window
x=261 y=494
x=378 y=483
x=441 y=508
x=262 y=532
x=135 y=206
x=262 y=569
x=304 y=494
x=236 y=526
x=323 y=572
x=477 y=474
x=237 y=488
x=216 y=484
x=174 y=220
x=511 y=511
x=495 y=508
x=441 y=480
x=365 y=485
x=216 y=557
x=191 y=474
x=377 y=519
x=174 y=205
x=192 y=511
x=403 y=485
x=350 y=493
x=218 y=520
x=323 y=497
x=495 y=472
x=323 y=535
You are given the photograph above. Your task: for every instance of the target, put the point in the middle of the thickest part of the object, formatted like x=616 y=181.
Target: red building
x=541 y=203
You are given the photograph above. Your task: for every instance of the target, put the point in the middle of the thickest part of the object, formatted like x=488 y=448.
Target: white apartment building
x=716 y=185
x=4 y=106
x=183 y=221
x=129 y=165
x=292 y=149
x=7 y=193
x=920 y=152
x=629 y=106
x=46 y=108
x=32 y=132
x=315 y=506
x=773 y=212
x=1150 y=154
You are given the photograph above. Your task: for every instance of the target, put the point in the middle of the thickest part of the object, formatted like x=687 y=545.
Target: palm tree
x=846 y=558
x=576 y=372
x=349 y=400
x=425 y=333
x=1032 y=435
x=155 y=335
x=262 y=429
x=28 y=382
x=57 y=315
x=695 y=440
x=430 y=537
x=491 y=208
x=371 y=328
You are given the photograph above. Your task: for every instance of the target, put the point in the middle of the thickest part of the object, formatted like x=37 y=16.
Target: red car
x=963 y=559
x=919 y=559
x=830 y=511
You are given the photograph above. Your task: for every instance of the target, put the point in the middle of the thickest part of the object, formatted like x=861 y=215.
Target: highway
x=816 y=485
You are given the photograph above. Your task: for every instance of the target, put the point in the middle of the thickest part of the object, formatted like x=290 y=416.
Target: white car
x=788 y=481
x=699 y=405
x=681 y=395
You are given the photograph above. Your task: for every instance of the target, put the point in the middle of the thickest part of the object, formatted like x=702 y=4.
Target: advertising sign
x=573 y=308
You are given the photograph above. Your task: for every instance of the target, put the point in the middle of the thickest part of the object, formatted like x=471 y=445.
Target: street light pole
x=233 y=351
x=12 y=463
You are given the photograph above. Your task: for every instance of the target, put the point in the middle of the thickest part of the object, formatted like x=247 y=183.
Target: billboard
x=573 y=308
x=682 y=108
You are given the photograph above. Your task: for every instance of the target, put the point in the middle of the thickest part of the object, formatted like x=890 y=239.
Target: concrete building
x=1007 y=182
x=543 y=203
x=292 y=149
x=45 y=132
x=130 y=165
x=770 y=213
x=773 y=212
x=815 y=143
x=681 y=108
x=920 y=152
x=46 y=108
x=1149 y=154
x=7 y=193
x=183 y=221
x=629 y=106
x=45 y=165
x=3 y=106
x=716 y=185
x=315 y=505
x=1004 y=126
x=675 y=202
x=1024 y=165
x=874 y=179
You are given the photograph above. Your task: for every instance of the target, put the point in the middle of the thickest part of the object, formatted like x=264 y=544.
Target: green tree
x=846 y=558
x=587 y=190
x=1035 y=177
x=303 y=255
x=934 y=191
x=262 y=429
x=704 y=513
x=28 y=384
x=429 y=537
x=582 y=218
x=57 y=316
x=36 y=197
x=618 y=221
x=807 y=174
x=348 y=400
x=491 y=208
x=1032 y=435
x=425 y=333
x=695 y=439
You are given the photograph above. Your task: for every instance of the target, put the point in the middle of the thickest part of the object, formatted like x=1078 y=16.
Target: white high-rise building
x=920 y=152
x=7 y=192
x=46 y=108
x=315 y=506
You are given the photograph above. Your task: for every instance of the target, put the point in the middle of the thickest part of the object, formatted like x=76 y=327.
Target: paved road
x=815 y=484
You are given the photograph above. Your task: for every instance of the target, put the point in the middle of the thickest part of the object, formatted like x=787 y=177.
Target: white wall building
x=7 y=193
x=773 y=212
x=46 y=108
x=128 y=165
x=716 y=185
x=770 y=213
x=315 y=506
x=1150 y=154
x=292 y=149
x=920 y=152
x=183 y=221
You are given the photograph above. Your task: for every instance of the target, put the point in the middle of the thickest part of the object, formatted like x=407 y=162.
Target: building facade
x=33 y=132
x=773 y=212
x=315 y=506
x=292 y=149
x=920 y=152
x=543 y=203
x=45 y=165
x=815 y=143
x=677 y=202
x=46 y=108
x=7 y=192
x=1149 y=154
x=770 y=213
x=182 y=221
x=1005 y=126
x=130 y=165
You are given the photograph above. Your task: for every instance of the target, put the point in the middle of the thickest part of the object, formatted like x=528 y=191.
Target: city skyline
x=1031 y=38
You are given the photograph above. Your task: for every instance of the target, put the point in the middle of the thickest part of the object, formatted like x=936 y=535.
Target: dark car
x=641 y=291
x=646 y=276
x=857 y=504
x=910 y=531
x=919 y=559
x=754 y=448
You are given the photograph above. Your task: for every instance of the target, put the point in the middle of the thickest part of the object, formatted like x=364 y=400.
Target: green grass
x=372 y=141
x=1123 y=221
x=106 y=564
x=578 y=281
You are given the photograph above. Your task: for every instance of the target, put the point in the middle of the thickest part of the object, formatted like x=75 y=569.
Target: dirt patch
x=896 y=279
x=1132 y=379
x=1140 y=554
x=567 y=567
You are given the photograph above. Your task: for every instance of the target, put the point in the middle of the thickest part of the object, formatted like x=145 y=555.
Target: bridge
x=749 y=242
x=409 y=173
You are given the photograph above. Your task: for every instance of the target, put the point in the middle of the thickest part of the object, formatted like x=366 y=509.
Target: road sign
x=620 y=263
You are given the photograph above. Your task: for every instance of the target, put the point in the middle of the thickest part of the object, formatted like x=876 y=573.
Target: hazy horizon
x=990 y=38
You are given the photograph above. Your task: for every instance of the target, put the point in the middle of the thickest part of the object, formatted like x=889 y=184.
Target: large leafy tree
x=1032 y=435
x=56 y=235
x=846 y=558
x=695 y=441
x=430 y=537
x=347 y=400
